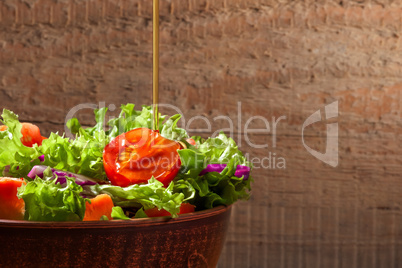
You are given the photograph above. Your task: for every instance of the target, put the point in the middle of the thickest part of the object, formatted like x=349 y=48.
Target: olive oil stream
x=155 y=89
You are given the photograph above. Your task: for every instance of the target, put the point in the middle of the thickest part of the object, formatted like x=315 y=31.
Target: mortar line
x=374 y=257
x=356 y=220
x=319 y=229
x=87 y=11
x=300 y=231
x=337 y=227
x=16 y=14
x=282 y=241
x=393 y=231
x=266 y=228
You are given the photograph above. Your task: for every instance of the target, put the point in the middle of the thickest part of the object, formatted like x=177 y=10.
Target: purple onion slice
x=61 y=175
x=240 y=170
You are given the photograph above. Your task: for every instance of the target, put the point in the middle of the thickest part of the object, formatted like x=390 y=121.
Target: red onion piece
x=61 y=175
x=240 y=170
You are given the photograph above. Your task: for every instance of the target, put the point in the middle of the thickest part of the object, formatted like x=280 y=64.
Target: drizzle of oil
x=155 y=89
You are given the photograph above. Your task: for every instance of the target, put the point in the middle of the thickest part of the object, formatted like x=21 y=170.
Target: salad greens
x=49 y=200
x=46 y=200
x=213 y=188
x=15 y=158
x=146 y=196
x=118 y=214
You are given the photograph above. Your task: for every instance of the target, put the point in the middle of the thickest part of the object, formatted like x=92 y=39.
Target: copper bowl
x=192 y=240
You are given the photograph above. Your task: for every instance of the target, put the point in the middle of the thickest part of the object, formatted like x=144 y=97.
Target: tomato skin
x=155 y=212
x=30 y=134
x=135 y=156
x=186 y=208
x=191 y=141
x=11 y=207
x=100 y=205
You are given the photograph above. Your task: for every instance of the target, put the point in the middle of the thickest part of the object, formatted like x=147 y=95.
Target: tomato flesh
x=100 y=205
x=30 y=134
x=134 y=157
x=155 y=212
x=11 y=207
x=191 y=141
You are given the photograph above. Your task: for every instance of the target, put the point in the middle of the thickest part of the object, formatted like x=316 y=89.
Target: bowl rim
x=193 y=216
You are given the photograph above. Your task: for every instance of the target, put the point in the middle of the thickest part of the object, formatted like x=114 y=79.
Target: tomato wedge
x=191 y=141
x=100 y=205
x=11 y=207
x=30 y=134
x=134 y=157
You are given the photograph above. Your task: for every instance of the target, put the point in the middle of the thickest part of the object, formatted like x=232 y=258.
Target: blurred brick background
x=278 y=58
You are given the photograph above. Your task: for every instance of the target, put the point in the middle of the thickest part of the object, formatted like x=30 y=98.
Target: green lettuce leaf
x=118 y=213
x=104 y=218
x=171 y=131
x=47 y=201
x=130 y=119
x=149 y=195
x=213 y=188
x=140 y=214
x=16 y=159
x=221 y=150
x=84 y=155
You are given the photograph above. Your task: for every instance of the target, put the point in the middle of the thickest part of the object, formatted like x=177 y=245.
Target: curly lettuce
x=16 y=159
x=213 y=188
x=46 y=200
x=84 y=155
x=149 y=195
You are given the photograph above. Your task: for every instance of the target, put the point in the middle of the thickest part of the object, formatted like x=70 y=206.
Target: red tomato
x=134 y=157
x=30 y=134
x=186 y=208
x=11 y=207
x=191 y=141
x=155 y=212
x=100 y=205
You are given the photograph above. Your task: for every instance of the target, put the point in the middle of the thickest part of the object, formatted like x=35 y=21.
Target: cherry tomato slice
x=11 y=207
x=191 y=141
x=30 y=134
x=134 y=157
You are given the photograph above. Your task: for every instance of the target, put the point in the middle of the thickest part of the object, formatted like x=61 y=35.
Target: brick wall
x=278 y=58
